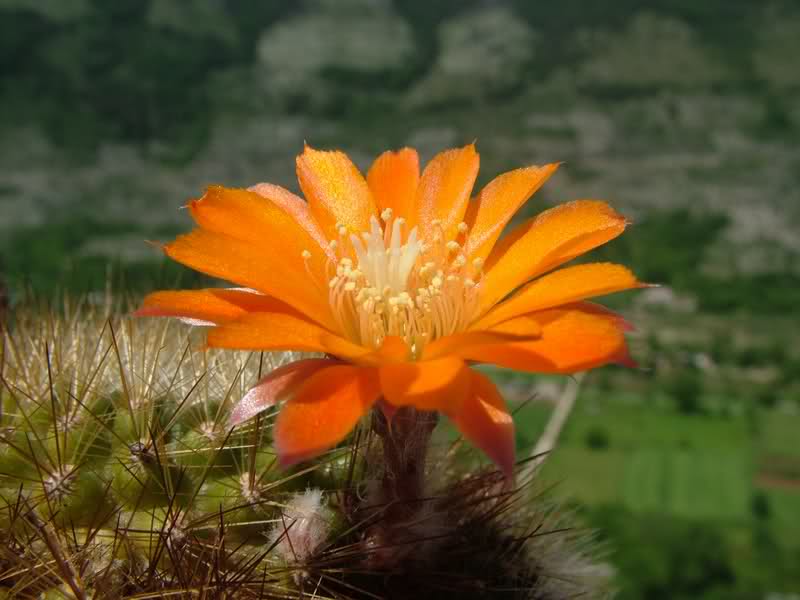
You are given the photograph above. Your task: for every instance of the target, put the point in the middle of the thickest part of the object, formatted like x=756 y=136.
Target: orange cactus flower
x=401 y=281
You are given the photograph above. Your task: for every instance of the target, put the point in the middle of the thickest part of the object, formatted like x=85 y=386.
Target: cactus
x=119 y=476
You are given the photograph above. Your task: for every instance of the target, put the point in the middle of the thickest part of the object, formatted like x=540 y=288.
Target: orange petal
x=453 y=344
x=444 y=190
x=276 y=331
x=393 y=349
x=260 y=221
x=561 y=287
x=484 y=420
x=246 y=264
x=336 y=191
x=324 y=411
x=275 y=387
x=489 y=213
x=211 y=306
x=575 y=337
x=524 y=326
x=429 y=385
x=296 y=207
x=541 y=244
x=393 y=179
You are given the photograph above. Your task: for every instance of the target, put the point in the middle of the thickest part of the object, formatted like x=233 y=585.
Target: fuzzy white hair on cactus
x=304 y=527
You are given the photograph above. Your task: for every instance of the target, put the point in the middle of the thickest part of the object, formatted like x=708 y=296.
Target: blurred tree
x=425 y=18
x=597 y=438
x=665 y=558
x=482 y=54
x=759 y=506
x=131 y=70
x=667 y=247
x=685 y=387
x=368 y=57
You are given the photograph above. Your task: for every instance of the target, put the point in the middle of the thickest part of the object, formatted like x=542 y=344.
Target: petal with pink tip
x=275 y=387
x=323 y=411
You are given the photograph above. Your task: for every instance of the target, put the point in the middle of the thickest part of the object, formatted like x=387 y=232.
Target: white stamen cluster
x=394 y=284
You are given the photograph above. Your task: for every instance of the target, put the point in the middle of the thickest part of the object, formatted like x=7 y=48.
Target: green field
x=690 y=504
x=659 y=461
x=696 y=484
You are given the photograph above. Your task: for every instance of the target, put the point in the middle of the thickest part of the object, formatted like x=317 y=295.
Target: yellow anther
x=392 y=284
x=305 y=254
x=478 y=263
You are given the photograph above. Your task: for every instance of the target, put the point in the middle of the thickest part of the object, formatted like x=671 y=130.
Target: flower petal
x=336 y=191
x=260 y=221
x=213 y=305
x=324 y=410
x=275 y=387
x=296 y=207
x=444 y=191
x=393 y=179
x=484 y=420
x=429 y=385
x=575 y=337
x=497 y=203
x=276 y=331
x=244 y=263
x=541 y=244
x=457 y=342
x=561 y=287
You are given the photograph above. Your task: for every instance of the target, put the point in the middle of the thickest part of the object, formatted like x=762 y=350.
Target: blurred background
x=684 y=114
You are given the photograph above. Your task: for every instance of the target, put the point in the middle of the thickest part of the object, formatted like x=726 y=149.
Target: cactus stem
x=405 y=438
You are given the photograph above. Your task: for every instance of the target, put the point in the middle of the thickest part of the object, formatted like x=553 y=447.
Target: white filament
x=406 y=288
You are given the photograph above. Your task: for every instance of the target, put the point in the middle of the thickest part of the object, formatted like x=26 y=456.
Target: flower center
x=395 y=284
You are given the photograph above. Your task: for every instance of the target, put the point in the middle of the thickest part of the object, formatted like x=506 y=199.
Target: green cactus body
x=119 y=476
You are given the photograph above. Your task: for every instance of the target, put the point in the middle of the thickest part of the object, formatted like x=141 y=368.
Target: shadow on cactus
x=119 y=478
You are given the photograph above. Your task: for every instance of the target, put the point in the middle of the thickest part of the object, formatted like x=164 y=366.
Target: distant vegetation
x=130 y=70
